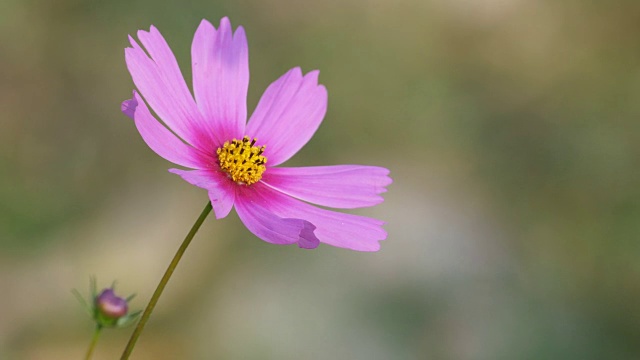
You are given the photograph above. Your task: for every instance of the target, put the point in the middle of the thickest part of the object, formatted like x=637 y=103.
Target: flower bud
x=106 y=308
x=110 y=305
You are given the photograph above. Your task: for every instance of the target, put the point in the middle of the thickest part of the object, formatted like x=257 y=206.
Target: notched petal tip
x=141 y=34
x=313 y=76
x=333 y=228
x=205 y=25
x=271 y=227
x=308 y=239
x=152 y=32
x=239 y=33
x=133 y=42
x=387 y=181
x=225 y=23
x=384 y=180
x=323 y=98
x=128 y=107
x=297 y=71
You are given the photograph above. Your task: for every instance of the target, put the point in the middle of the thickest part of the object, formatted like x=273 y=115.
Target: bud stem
x=163 y=282
x=94 y=341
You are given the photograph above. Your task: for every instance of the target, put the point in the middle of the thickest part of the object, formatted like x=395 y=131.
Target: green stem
x=94 y=341
x=165 y=279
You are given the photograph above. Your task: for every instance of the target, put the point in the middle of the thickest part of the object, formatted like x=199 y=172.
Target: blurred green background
x=510 y=127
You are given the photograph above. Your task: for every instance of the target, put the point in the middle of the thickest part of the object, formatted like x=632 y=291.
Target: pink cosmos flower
x=234 y=160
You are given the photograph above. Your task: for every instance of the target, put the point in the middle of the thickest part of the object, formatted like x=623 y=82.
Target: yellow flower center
x=242 y=160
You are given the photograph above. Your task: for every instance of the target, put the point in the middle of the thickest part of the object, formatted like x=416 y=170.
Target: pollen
x=242 y=160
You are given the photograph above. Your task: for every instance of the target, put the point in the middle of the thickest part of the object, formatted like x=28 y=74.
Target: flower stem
x=165 y=279
x=94 y=341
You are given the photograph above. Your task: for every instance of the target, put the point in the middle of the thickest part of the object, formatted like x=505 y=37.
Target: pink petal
x=272 y=228
x=333 y=228
x=160 y=82
x=221 y=191
x=288 y=114
x=159 y=138
x=128 y=107
x=220 y=61
x=343 y=186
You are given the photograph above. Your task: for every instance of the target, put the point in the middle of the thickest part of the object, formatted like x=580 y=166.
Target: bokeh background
x=510 y=127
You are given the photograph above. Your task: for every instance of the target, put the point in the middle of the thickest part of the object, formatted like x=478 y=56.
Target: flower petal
x=333 y=228
x=272 y=228
x=128 y=107
x=220 y=61
x=343 y=186
x=160 y=82
x=221 y=190
x=288 y=114
x=159 y=138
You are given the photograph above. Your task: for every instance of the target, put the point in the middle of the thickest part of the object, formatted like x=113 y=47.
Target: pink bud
x=110 y=305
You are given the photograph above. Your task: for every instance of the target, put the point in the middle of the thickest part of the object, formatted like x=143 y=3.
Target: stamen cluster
x=242 y=160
